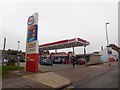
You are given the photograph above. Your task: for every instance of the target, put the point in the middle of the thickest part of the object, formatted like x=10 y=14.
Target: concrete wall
x=104 y=54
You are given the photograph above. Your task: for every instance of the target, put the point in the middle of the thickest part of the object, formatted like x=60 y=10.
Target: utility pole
x=3 y=52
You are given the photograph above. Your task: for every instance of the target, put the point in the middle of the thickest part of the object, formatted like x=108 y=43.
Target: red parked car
x=80 y=61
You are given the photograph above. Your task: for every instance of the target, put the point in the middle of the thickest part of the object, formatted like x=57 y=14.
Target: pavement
x=50 y=79
x=56 y=78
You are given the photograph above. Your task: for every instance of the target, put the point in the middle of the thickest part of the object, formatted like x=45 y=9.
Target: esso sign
x=30 y=20
x=109 y=51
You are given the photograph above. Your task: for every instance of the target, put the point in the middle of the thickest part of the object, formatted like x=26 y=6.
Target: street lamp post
x=107 y=42
x=18 y=62
x=18 y=45
x=3 y=52
x=107 y=34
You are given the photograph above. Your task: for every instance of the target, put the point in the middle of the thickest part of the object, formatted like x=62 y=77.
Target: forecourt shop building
x=67 y=43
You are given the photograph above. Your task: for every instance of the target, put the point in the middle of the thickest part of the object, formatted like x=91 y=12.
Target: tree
x=115 y=47
x=46 y=52
x=8 y=51
x=42 y=51
x=12 y=52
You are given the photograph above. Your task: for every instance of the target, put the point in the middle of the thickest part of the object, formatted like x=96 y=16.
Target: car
x=57 y=60
x=46 y=61
x=80 y=61
x=22 y=60
x=5 y=60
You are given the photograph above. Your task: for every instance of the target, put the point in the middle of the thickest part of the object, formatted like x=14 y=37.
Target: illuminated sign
x=32 y=33
x=32 y=44
x=32 y=47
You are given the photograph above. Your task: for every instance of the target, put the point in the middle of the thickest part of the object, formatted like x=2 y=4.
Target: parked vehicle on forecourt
x=46 y=61
x=57 y=60
x=80 y=61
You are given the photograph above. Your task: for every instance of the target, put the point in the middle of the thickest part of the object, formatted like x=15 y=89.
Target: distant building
x=105 y=56
x=92 y=58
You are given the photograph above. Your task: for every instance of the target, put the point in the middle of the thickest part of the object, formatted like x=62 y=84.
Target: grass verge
x=6 y=69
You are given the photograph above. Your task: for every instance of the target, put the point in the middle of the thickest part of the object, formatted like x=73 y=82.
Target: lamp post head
x=18 y=41
x=107 y=23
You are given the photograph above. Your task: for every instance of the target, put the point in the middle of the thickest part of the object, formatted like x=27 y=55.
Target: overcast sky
x=59 y=21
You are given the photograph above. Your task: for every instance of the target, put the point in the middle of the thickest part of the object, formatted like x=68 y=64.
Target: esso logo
x=30 y=20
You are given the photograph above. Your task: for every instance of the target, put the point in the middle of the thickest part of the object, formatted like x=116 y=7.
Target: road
x=106 y=80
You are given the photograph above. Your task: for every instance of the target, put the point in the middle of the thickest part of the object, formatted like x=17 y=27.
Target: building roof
x=89 y=54
x=68 y=43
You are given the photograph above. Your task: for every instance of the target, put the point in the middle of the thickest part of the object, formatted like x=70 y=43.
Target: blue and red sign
x=32 y=33
x=109 y=51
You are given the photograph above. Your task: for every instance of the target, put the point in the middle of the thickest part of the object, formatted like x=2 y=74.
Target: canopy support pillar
x=73 y=50
x=55 y=51
x=85 y=55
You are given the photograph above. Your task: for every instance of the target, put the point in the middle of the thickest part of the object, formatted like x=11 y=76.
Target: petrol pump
x=69 y=57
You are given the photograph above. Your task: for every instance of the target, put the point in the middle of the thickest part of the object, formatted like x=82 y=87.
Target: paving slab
x=21 y=82
x=50 y=78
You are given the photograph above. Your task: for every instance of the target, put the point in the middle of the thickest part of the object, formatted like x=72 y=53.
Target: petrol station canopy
x=68 y=43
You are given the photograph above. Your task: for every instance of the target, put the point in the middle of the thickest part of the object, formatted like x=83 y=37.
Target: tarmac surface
x=106 y=80
x=56 y=76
